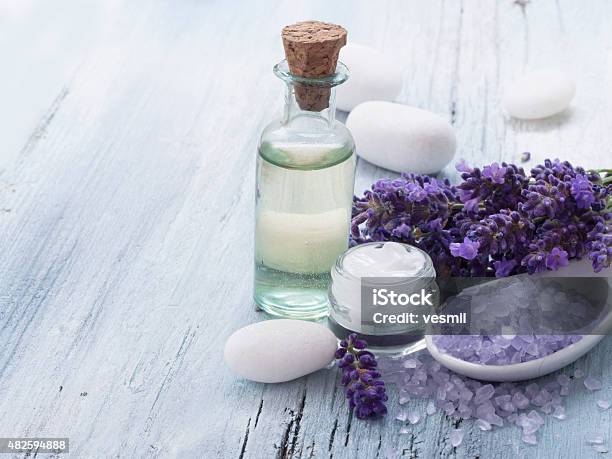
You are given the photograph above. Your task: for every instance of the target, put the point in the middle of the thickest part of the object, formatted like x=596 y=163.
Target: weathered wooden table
x=127 y=152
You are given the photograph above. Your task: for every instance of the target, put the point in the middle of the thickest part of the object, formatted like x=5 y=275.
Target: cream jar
x=376 y=267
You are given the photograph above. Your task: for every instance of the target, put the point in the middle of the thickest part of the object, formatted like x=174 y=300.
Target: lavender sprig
x=498 y=221
x=364 y=388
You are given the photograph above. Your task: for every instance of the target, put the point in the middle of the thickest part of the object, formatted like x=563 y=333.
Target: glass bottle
x=305 y=180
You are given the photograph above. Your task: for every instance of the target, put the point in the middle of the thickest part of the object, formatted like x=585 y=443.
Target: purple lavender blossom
x=364 y=388
x=582 y=191
x=556 y=259
x=467 y=249
x=462 y=166
x=494 y=188
x=495 y=173
x=503 y=268
x=601 y=252
x=497 y=222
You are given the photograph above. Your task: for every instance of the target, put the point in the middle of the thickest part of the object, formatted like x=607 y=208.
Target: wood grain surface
x=127 y=150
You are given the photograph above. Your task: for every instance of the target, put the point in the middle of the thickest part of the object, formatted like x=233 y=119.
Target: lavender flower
x=582 y=191
x=556 y=258
x=364 y=388
x=495 y=173
x=498 y=221
x=467 y=249
x=503 y=268
x=600 y=252
x=494 y=188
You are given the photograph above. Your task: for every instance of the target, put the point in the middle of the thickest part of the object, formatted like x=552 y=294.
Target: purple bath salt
x=563 y=380
x=486 y=412
x=519 y=400
x=482 y=425
x=603 y=404
x=498 y=350
x=564 y=391
x=592 y=383
x=532 y=390
x=413 y=417
x=559 y=413
x=596 y=439
x=505 y=403
x=530 y=423
x=578 y=373
x=530 y=439
x=483 y=393
x=456 y=437
x=490 y=404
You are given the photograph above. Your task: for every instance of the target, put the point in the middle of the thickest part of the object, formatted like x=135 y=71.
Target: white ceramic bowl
x=533 y=368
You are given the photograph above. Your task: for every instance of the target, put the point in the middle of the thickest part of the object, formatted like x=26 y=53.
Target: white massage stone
x=401 y=138
x=279 y=350
x=372 y=76
x=539 y=94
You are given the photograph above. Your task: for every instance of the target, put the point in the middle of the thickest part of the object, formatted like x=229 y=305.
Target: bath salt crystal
x=600 y=449
x=559 y=413
x=500 y=403
x=603 y=404
x=564 y=391
x=563 y=380
x=486 y=412
x=483 y=393
x=464 y=411
x=404 y=430
x=530 y=423
x=592 y=384
x=578 y=373
x=413 y=417
x=530 y=439
x=456 y=437
x=402 y=416
x=482 y=425
x=505 y=403
x=466 y=395
x=520 y=401
x=535 y=417
x=532 y=390
x=410 y=363
x=404 y=399
x=547 y=408
x=541 y=398
x=595 y=440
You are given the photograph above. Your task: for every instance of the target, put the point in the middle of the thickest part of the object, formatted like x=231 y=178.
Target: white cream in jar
x=383 y=265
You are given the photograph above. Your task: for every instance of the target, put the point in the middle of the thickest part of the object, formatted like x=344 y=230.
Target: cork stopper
x=311 y=49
